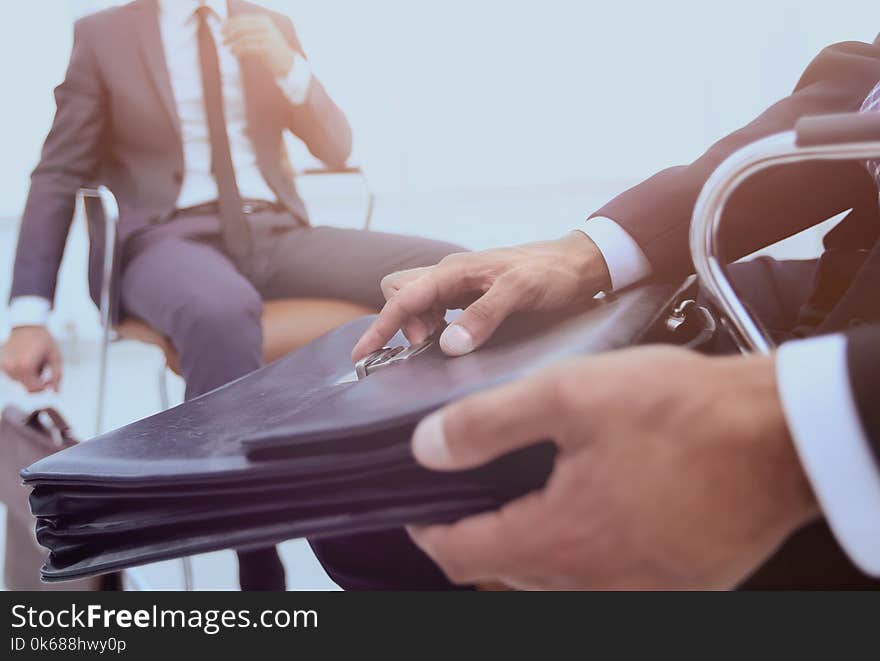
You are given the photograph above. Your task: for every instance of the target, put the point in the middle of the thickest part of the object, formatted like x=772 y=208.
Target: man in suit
x=180 y=108
x=717 y=461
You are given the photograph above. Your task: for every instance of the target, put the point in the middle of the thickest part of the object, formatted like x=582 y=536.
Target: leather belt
x=248 y=207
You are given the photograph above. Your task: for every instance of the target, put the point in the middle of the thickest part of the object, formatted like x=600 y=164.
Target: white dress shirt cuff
x=814 y=387
x=624 y=258
x=29 y=311
x=295 y=84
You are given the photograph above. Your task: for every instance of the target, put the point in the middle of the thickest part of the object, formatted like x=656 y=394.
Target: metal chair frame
x=110 y=211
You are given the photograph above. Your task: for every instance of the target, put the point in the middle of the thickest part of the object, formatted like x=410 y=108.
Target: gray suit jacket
x=116 y=124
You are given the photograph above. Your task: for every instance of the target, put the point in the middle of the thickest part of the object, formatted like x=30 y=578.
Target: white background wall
x=475 y=94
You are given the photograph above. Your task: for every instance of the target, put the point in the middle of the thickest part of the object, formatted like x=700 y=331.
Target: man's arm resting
x=822 y=401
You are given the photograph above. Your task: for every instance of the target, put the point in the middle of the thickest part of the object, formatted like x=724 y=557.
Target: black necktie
x=236 y=234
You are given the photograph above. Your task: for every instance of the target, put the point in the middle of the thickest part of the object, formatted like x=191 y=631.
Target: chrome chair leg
x=188 y=583
x=102 y=378
x=164 y=401
x=109 y=212
x=371 y=205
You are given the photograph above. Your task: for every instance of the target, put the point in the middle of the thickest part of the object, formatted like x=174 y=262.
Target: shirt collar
x=182 y=10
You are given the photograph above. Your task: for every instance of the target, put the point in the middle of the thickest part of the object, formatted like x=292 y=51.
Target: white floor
x=475 y=221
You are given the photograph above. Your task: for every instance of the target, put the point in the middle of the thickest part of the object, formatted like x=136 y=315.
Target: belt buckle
x=390 y=356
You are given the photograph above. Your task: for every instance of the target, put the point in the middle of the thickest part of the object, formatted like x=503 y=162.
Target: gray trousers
x=183 y=284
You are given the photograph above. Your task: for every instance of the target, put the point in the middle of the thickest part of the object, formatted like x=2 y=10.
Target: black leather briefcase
x=307 y=447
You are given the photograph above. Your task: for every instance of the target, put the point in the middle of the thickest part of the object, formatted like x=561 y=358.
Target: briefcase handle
x=848 y=137
x=837 y=129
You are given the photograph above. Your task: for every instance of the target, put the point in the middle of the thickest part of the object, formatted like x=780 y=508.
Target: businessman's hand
x=489 y=285
x=31 y=357
x=674 y=471
x=256 y=35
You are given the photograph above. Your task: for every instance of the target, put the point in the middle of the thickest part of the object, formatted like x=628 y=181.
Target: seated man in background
x=677 y=470
x=179 y=107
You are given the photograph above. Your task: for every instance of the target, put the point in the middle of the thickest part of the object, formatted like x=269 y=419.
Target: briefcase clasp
x=390 y=356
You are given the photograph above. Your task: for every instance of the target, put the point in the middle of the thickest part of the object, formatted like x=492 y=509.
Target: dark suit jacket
x=783 y=201
x=116 y=123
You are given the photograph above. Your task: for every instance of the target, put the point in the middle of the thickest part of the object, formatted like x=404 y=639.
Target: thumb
x=479 y=320
x=477 y=429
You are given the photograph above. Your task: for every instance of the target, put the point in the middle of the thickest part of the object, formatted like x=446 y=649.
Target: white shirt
x=178 y=26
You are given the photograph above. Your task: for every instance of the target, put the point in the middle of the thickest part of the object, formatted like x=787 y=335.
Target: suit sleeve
x=71 y=156
x=863 y=359
x=318 y=122
x=771 y=205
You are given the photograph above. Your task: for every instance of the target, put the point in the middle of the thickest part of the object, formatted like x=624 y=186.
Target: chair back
x=101 y=215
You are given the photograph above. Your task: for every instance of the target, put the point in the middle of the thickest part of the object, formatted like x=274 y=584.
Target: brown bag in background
x=25 y=438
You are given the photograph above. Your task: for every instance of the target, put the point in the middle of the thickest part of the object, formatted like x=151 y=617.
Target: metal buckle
x=390 y=356
x=679 y=316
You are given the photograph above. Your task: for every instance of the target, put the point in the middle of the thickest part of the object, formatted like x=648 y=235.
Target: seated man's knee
x=226 y=320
